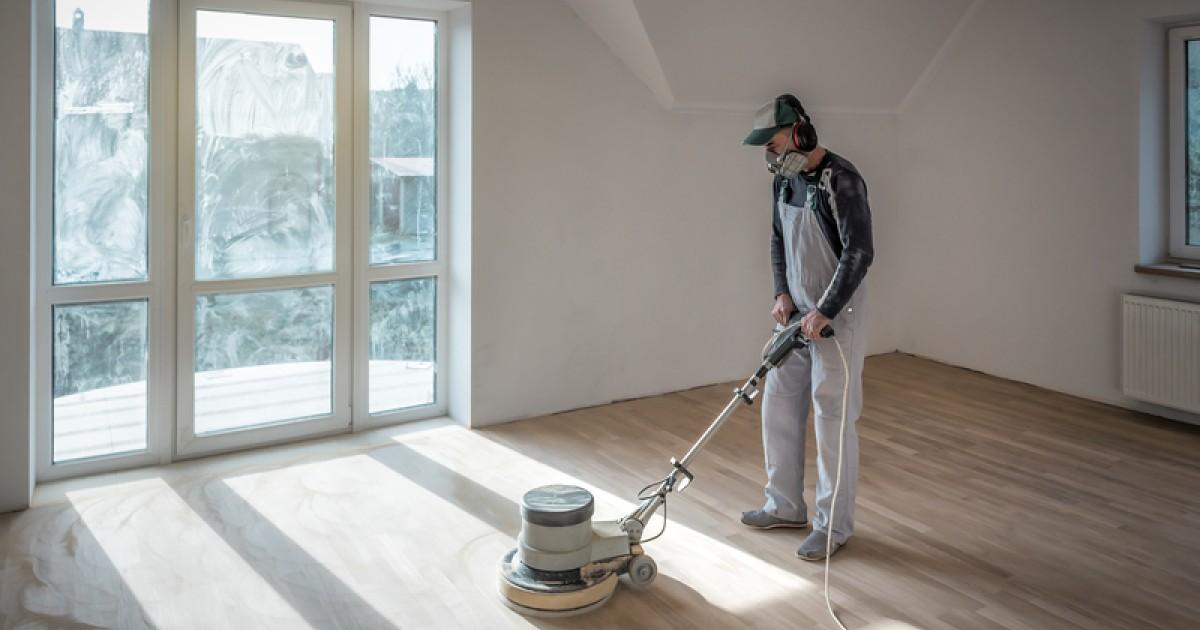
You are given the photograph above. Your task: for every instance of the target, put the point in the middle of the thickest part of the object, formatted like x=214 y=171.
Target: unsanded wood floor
x=983 y=503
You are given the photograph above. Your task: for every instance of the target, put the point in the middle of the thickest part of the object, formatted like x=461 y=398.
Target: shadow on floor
x=323 y=599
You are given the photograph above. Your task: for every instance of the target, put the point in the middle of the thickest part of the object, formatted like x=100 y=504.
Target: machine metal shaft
x=636 y=521
x=777 y=350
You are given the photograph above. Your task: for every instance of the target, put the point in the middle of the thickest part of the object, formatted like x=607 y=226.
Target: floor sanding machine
x=566 y=564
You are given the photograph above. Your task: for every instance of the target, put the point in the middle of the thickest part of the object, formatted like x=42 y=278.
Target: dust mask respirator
x=788 y=165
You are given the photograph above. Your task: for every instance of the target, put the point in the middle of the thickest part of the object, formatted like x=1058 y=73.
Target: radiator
x=1161 y=352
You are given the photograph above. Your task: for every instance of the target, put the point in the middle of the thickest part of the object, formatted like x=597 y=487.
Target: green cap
x=769 y=118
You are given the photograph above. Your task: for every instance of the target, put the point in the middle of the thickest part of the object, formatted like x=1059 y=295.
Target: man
x=820 y=251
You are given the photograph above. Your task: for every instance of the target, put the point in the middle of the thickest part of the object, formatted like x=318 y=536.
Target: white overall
x=815 y=372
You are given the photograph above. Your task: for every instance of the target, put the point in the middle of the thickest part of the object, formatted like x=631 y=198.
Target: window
x=265 y=271
x=98 y=203
x=99 y=384
x=1184 y=68
x=403 y=259
x=101 y=156
x=219 y=264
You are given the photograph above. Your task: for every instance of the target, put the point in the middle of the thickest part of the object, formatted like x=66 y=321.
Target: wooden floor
x=982 y=504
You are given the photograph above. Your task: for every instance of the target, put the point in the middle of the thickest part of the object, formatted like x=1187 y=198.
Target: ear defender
x=804 y=136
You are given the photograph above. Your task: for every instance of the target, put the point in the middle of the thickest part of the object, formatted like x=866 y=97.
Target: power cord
x=837 y=481
x=642 y=496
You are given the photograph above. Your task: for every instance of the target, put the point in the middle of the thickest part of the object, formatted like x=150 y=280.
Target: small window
x=403 y=140
x=101 y=141
x=1185 y=142
x=100 y=359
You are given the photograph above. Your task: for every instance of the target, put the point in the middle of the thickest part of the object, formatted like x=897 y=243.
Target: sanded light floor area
x=983 y=503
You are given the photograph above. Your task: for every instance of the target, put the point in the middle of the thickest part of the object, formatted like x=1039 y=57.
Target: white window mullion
x=400 y=272
x=42 y=328
x=164 y=93
x=97 y=292
x=362 y=184
x=443 y=222
x=185 y=235
x=266 y=284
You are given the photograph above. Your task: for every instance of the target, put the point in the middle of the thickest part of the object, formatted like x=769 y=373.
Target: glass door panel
x=264 y=319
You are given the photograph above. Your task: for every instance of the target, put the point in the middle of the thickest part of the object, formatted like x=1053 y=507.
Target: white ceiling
x=836 y=55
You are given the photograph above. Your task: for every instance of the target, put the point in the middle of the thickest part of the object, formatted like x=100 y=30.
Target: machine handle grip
x=826 y=332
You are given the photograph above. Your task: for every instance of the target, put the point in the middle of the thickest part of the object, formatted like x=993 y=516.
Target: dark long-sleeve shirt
x=845 y=217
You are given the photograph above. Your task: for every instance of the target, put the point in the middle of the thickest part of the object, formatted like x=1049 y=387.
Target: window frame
x=365 y=273
x=157 y=289
x=188 y=444
x=1177 y=39
x=167 y=235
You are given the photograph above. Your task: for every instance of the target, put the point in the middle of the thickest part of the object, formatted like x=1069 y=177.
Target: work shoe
x=813 y=547
x=760 y=519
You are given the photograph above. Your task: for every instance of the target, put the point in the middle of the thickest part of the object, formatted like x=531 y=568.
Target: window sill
x=1171 y=269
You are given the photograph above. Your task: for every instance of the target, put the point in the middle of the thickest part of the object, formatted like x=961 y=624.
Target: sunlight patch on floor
x=172 y=561
x=726 y=576
x=378 y=532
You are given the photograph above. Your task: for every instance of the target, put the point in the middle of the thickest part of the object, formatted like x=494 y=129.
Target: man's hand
x=783 y=308
x=813 y=323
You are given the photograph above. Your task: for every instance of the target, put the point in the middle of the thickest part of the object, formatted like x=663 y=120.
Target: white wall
x=619 y=249
x=16 y=473
x=1023 y=174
